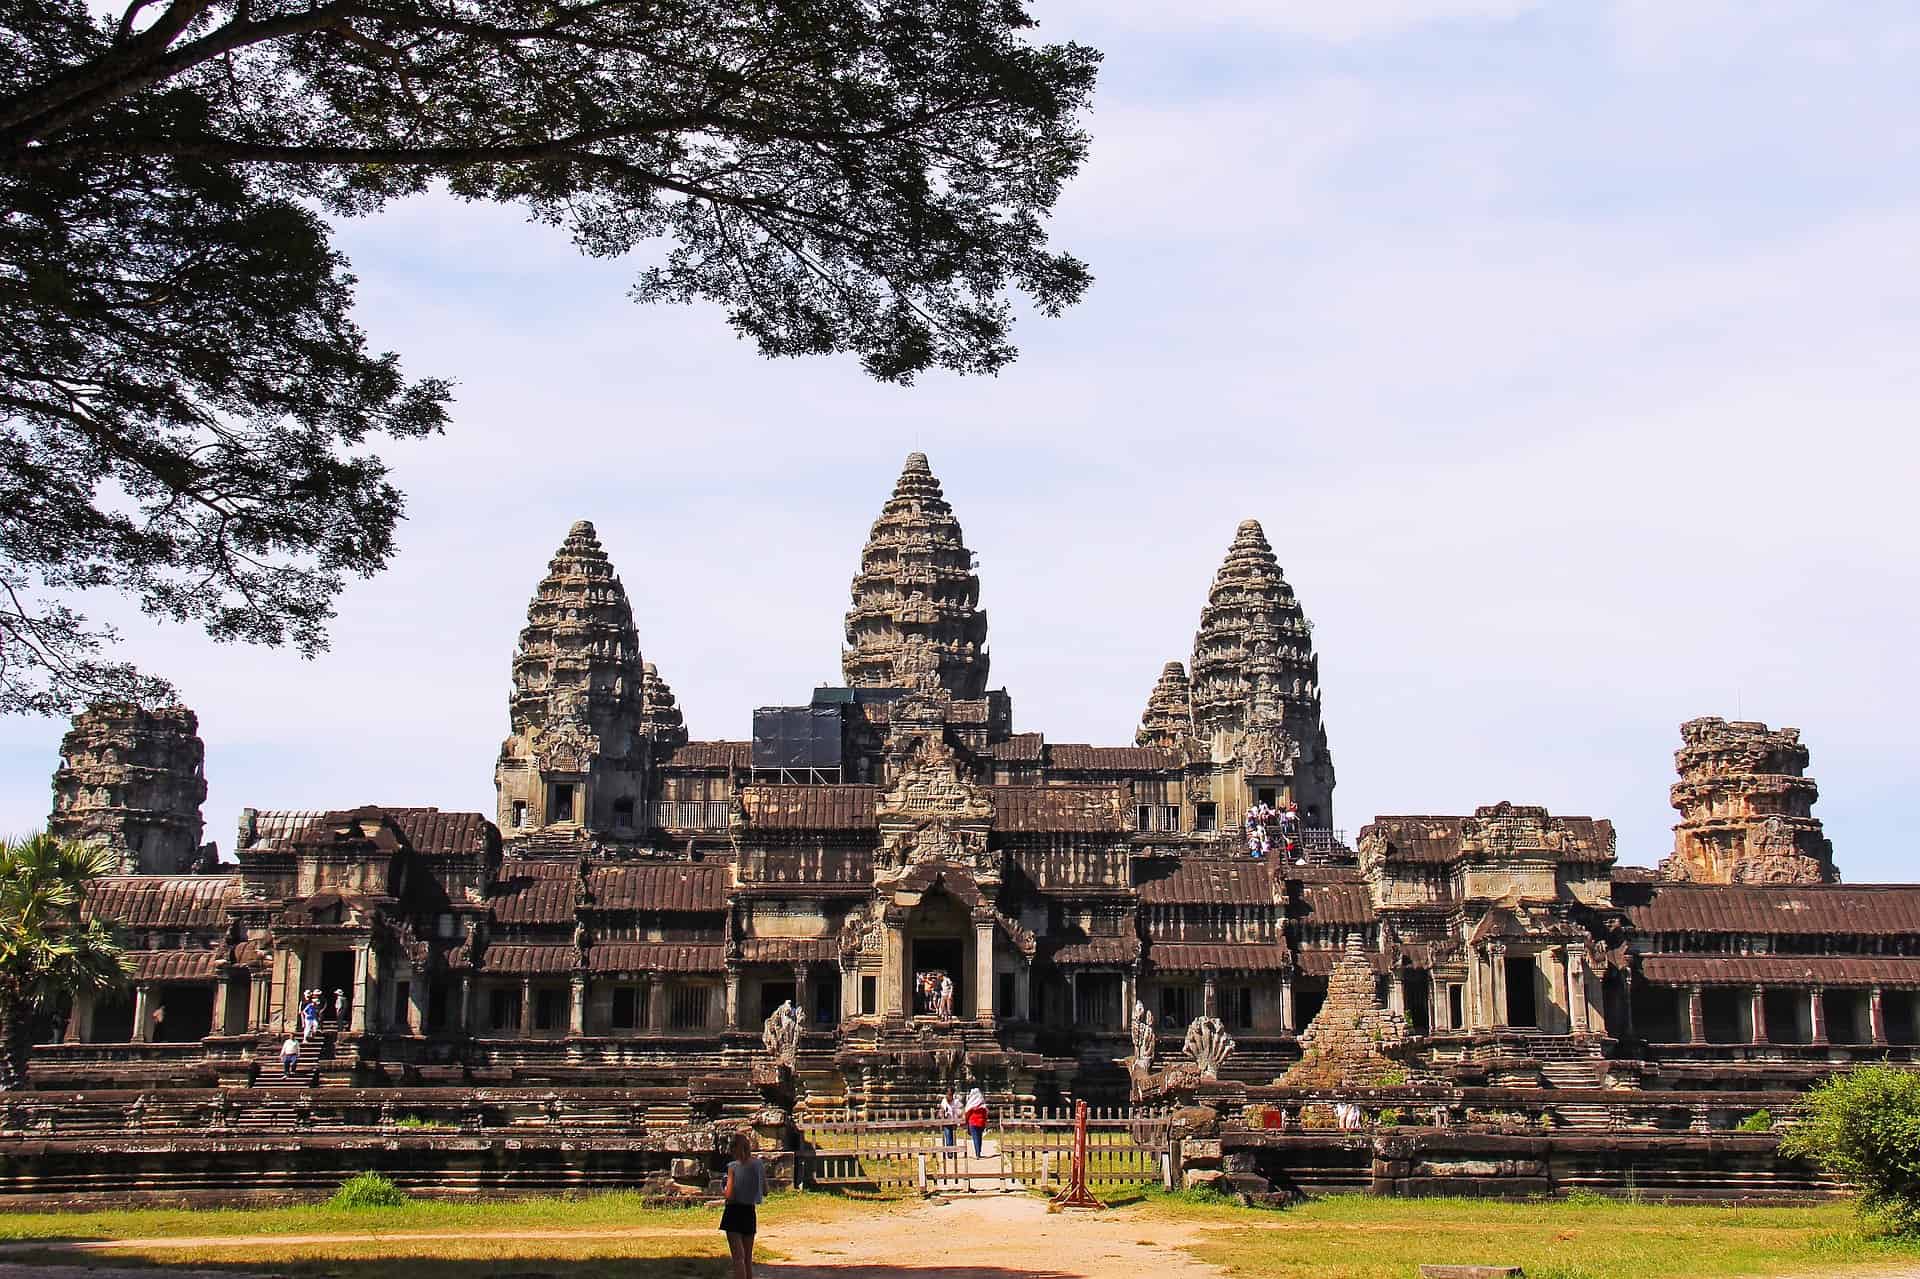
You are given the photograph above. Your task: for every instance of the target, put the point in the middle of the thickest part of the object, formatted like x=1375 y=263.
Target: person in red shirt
x=976 y=1118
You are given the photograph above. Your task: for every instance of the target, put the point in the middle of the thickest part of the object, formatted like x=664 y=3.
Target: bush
x=1389 y=1117
x=1864 y=1127
x=1760 y=1120
x=367 y=1190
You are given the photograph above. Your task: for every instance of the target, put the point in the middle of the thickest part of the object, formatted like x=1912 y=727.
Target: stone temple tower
x=576 y=762
x=134 y=779
x=1168 y=719
x=916 y=620
x=1256 y=681
x=1746 y=808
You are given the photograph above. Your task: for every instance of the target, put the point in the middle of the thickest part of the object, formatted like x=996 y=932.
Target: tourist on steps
x=946 y=997
x=310 y=1015
x=976 y=1119
x=746 y=1188
x=289 y=1056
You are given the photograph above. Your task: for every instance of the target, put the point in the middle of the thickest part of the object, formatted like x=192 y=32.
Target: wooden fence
x=1028 y=1150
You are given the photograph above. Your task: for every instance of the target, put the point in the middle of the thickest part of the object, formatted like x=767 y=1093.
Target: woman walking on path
x=950 y=1114
x=746 y=1188
x=976 y=1119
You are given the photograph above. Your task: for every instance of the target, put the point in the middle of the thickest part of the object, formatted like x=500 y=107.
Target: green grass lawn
x=1358 y=1237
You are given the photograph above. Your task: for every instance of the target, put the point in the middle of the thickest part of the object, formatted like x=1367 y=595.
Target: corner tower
x=133 y=780
x=576 y=761
x=1746 y=808
x=916 y=620
x=1256 y=683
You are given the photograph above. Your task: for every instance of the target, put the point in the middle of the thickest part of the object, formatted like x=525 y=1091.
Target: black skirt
x=737 y=1219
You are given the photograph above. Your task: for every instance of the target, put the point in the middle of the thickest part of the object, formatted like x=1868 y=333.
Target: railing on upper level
x=698 y=814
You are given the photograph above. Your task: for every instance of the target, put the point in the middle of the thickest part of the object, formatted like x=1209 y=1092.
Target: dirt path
x=970 y=1237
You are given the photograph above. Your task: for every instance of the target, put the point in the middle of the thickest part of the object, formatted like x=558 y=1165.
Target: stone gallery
x=895 y=891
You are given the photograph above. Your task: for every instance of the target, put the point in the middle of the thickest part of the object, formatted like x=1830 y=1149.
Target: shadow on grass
x=67 y=1266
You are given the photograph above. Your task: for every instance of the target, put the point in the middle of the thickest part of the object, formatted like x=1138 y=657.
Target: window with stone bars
x=1236 y=1006
x=687 y=1007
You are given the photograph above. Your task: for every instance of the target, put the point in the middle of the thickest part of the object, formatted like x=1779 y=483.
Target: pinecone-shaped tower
x=133 y=779
x=1343 y=1047
x=916 y=621
x=1168 y=720
x=1746 y=808
x=1256 y=680
x=576 y=760
x=660 y=717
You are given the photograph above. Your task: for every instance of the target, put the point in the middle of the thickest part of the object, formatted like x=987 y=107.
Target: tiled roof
x=789 y=950
x=429 y=831
x=1205 y=880
x=712 y=755
x=1097 y=950
x=1067 y=809
x=1782 y=970
x=1080 y=758
x=668 y=886
x=1193 y=957
x=536 y=891
x=173 y=965
x=812 y=807
x=654 y=957
x=1019 y=748
x=519 y=960
x=1880 y=910
x=1337 y=902
x=158 y=901
x=1436 y=840
x=1319 y=962
x=280 y=825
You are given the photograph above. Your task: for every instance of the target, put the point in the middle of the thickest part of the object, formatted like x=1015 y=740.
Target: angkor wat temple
x=638 y=903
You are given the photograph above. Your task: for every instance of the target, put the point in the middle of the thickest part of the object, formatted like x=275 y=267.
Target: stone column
x=526 y=1008
x=1073 y=995
x=262 y=1005
x=1759 y=1014
x=362 y=988
x=577 y=1005
x=893 y=974
x=1286 y=1005
x=466 y=1005
x=983 y=991
x=849 y=992
x=802 y=989
x=1877 y=1014
x=1817 y=1013
x=1129 y=992
x=1579 y=1011
x=1397 y=992
x=1209 y=995
x=420 y=1001
x=1696 y=1016
x=656 y=1005
x=733 y=999
x=78 y=1018
x=143 y=1014
x=225 y=1022
x=1497 y=980
x=1564 y=955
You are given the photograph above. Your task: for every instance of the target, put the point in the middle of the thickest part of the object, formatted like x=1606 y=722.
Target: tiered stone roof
x=1342 y=1046
x=1253 y=658
x=916 y=620
x=578 y=662
x=660 y=717
x=1746 y=808
x=132 y=779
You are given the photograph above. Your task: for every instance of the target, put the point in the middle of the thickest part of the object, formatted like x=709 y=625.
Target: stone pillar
x=849 y=992
x=1877 y=1014
x=466 y=1005
x=1817 y=1013
x=262 y=1005
x=893 y=974
x=1696 y=1016
x=802 y=991
x=577 y=1005
x=78 y=1018
x=733 y=999
x=420 y=999
x=1564 y=955
x=983 y=991
x=1209 y=995
x=1759 y=1014
x=362 y=988
x=1129 y=992
x=656 y=1005
x=1497 y=981
x=143 y=1013
x=225 y=1023
x=1579 y=1011
x=1073 y=995
x=526 y=1008
x=1397 y=992
x=1286 y=1005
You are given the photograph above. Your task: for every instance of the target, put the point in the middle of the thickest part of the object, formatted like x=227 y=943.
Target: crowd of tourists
x=936 y=995
x=1270 y=827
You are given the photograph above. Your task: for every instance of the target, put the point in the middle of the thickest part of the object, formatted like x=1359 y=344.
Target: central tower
x=916 y=620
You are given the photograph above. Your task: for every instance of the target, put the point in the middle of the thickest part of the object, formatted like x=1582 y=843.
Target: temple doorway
x=772 y=995
x=935 y=957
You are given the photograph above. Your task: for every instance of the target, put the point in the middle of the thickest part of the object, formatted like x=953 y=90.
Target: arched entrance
x=939 y=943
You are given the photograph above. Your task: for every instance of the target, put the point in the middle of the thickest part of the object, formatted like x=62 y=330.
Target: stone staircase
x=306 y=1071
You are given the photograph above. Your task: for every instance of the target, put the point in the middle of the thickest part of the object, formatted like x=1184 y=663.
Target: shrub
x=1389 y=1117
x=1760 y=1120
x=1864 y=1126
x=367 y=1190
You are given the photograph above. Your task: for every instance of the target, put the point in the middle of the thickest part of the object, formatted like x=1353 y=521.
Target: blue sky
x=1565 y=352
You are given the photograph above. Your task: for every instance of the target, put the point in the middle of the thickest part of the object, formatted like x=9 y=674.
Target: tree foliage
x=1863 y=1126
x=186 y=406
x=49 y=952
